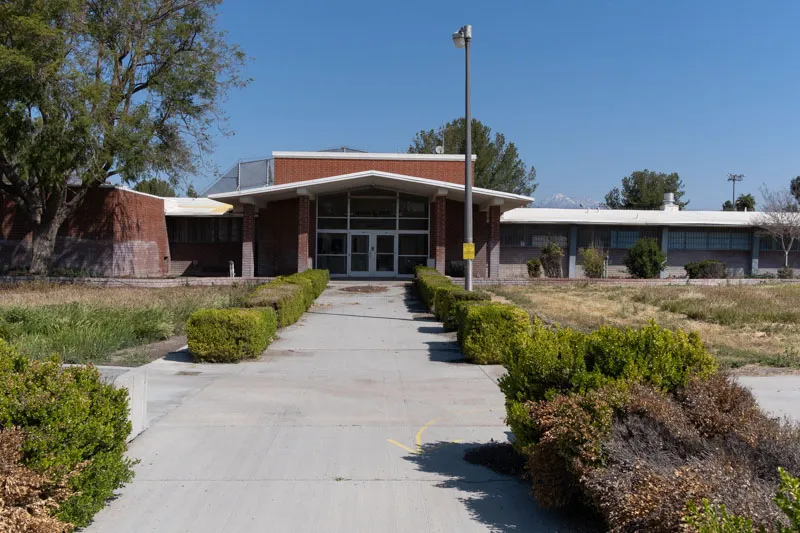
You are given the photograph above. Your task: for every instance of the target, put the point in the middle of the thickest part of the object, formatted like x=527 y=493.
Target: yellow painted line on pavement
x=403 y=446
x=428 y=424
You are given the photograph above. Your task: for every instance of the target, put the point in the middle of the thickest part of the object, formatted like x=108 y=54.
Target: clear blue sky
x=588 y=90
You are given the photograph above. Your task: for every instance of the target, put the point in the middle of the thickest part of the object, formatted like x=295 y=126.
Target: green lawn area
x=741 y=325
x=88 y=324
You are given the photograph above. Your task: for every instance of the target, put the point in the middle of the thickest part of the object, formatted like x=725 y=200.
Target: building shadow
x=501 y=503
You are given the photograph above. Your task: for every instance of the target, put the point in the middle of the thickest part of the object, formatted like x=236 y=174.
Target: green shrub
x=645 y=259
x=319 y=279
x=707 y=269
x=304 y=283
x=593 y=262
x=551 y=260
x=427 y=280
x=534 y=267
x=287 y=299
x=455 y=269
x=230 y=335
x=75 y=428
x=786 y=273
x=489 y=332
x=445 y=298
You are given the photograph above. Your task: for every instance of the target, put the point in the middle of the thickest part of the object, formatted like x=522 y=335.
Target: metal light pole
x=734 y=178
x=462 y=39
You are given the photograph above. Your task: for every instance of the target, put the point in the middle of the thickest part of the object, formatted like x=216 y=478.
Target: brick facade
x=248 y=241
x=292 y=170
x=303 y=227
x=454 y=235
x=439 y=232
x=277 y=238
x=494 y=241
x=114 y=232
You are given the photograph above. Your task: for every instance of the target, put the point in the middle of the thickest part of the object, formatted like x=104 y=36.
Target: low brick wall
x=147 y=283
x=630 y=281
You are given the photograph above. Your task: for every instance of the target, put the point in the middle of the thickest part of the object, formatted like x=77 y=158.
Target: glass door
x=384 y=255
x=360 y=254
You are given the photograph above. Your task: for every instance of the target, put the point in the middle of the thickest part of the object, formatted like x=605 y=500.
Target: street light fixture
x=462 y=39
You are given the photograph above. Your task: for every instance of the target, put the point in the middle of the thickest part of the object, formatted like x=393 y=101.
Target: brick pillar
x=248 y=235
x=494 y=241
x=302 y=233
x=440 y=237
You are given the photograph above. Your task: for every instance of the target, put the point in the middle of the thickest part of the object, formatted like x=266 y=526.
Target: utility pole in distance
x=734 y=178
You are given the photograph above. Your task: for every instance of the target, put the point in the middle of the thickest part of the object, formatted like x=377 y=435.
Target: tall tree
x=728 y=206
x=156 y=187
x=746 y=202
x=100 y=88
x=190 y=192
x=794 y=187
x=644 y=189
x=780 y=219
x=498 y=165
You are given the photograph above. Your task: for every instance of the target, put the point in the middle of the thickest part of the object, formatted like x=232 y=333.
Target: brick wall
x=277 y=238
x=513 y=261
x=208 y=257
x=114 y=233
x=455 y=234
x=303 y=230
x=291 y=170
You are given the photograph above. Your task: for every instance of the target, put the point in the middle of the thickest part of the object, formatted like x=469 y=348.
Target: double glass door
x=372 y=254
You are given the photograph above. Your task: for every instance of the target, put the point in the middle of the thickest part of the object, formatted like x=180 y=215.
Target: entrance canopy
x=484 y=198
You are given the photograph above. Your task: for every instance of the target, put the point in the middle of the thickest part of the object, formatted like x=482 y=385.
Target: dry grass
x=747 y=325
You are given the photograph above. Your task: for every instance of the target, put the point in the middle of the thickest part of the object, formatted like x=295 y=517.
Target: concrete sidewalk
x=324 y=434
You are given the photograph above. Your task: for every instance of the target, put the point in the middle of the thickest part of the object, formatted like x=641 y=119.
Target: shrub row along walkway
x=355 y=420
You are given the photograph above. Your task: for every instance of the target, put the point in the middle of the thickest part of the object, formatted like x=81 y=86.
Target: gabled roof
x=625 y=217
x=401 y=182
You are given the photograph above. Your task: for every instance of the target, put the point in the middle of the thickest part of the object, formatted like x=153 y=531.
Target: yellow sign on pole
x=469 y=250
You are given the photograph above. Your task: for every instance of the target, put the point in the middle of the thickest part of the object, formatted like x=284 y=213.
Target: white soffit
x=624 y=217
x=371 y=156
x=194 y=207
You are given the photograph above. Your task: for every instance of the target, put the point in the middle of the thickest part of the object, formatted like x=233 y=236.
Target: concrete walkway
x=355 y=420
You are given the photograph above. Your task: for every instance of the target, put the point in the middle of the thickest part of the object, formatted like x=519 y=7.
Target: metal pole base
x=468 y=275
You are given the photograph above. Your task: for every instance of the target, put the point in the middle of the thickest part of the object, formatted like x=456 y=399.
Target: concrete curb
x=135 y=381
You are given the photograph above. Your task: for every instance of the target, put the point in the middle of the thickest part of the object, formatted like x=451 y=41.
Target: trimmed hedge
x=490 y=332
x=319 y=279
x=304 y=283
x=445 y=298
x=230 y=335
x=287 y=299
x=74 y=428
x=427 y=280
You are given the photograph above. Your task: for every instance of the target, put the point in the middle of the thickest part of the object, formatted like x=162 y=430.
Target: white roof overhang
x=373 y=178
x=624 y=217
x=194 y=207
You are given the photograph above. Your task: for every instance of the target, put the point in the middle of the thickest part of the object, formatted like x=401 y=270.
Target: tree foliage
x=498 y=165
x=746 y=202
x=780 y=219
x=156 y=187
x=102 y=88
x=644 y=189
x=190 y=192
x=645 y=259
x=794 y=187
x=728 y=206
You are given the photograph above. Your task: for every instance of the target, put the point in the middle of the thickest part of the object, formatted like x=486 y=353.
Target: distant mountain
x=562 y=201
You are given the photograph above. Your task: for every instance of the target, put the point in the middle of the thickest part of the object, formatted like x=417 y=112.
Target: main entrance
x=372 y=253
x=372 y=232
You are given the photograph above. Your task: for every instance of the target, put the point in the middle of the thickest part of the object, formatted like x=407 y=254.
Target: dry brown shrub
x=27 y=498
x=552 y=483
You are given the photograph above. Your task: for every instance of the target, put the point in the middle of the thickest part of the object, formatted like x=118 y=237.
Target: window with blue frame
x=715 y=239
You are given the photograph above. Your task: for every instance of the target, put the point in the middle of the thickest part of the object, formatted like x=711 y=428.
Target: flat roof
x=376 y=178
x=370 y=156
x=629 y=217
x=194 y=207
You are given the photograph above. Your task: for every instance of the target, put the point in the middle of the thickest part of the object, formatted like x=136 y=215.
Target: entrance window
x=372 y=231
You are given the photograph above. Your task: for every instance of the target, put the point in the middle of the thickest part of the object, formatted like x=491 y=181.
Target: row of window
x=533 y=236
x=204 y=230
x=396 y=205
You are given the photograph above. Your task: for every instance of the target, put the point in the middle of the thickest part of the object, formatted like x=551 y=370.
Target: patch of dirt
x=758 y=370
x=499 y=457
x=365 y=289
